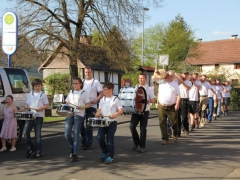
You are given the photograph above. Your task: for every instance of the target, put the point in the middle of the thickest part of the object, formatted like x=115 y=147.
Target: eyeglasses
x=75 y=83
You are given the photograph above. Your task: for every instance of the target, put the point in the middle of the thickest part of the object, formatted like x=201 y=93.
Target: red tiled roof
x=217 y=52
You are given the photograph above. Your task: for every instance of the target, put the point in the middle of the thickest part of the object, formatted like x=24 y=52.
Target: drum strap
x=92 y=81
x=79 y=95
x=40 y=94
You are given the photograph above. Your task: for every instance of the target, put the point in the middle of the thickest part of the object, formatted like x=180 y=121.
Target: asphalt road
x=208 y=153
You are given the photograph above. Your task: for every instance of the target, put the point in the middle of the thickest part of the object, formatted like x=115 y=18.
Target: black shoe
x=29 y=153
x=87 y=148
x=142 y=150
x=187 y=132
x=217 y=116
x=179 y=134
x=74 y=158
x=71 y=153
x=36 y=155
x=135 y=147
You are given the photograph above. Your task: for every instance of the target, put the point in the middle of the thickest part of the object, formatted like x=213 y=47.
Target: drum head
x=140 y=100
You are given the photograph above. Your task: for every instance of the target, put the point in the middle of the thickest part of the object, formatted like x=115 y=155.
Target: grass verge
x=52 y=119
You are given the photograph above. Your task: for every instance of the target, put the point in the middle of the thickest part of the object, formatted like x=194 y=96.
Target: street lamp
x=144 y=9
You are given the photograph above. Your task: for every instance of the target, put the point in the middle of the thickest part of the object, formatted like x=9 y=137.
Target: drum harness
x=79 y=95
x=33 y=96
x=112 y=101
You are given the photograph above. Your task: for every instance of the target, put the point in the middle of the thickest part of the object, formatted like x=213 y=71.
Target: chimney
x=199 y=40
x=234 y=36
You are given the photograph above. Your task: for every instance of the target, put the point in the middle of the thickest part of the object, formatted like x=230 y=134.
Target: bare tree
x=50 y=22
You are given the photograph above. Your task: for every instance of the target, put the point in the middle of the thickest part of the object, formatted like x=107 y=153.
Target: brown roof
x=217 y=52
x=146 y=68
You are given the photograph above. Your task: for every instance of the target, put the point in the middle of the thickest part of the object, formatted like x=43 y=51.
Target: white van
x=14 y=82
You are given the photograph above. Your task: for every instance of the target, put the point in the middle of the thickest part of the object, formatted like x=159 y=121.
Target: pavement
x=210 y=153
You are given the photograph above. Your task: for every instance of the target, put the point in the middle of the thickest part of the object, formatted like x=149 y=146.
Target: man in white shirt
x=211 y=98
x=169 y=101
x=94 y=89
x=142 y=118
x=226 y=96
x=204 y=99
x=219 y=88
x=184 y=87
x=193 y=100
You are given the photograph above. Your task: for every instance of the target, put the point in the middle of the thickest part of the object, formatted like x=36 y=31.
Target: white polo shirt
x=193 y=92
x=167 y=92
x=184 y=93
x=227 y=94
x=204 y=90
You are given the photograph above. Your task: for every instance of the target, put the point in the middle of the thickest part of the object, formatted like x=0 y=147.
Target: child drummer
x=37 y=101
x=78 y=98
x=110 y=108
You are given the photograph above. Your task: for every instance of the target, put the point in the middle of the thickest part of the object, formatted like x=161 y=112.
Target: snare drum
x=133 y=100
x=25 y=116
x=98 y=122
x=65 y=110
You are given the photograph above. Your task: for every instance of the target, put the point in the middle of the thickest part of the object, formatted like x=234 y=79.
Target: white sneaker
x=13 y=149
x=3 y=149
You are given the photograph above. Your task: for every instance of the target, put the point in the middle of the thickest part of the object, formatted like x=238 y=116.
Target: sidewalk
x=57 y=127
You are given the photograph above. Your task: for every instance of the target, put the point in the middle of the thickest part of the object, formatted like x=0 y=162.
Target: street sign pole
x=9 y=60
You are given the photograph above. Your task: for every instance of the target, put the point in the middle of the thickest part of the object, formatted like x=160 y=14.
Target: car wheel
x=19 y=134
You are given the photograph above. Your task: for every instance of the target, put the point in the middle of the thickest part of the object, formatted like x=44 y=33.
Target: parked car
x=14 y=82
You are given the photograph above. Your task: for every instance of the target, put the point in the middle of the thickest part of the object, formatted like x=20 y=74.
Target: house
x=218 y=55
x=59 y=62
x=25 y=57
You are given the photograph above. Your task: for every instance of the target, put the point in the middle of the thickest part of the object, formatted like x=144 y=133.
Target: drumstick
x=72 y=104
x=32 y=109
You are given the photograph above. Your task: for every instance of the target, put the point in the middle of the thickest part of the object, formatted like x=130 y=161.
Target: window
x=216 y=66
x=199 y=68
x=237 y=66
x=234 y=81
x=18 y=80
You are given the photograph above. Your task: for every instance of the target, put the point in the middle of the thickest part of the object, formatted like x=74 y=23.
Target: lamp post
x=144 y=9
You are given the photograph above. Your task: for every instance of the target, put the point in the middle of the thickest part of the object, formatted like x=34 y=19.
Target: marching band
x=185 y=100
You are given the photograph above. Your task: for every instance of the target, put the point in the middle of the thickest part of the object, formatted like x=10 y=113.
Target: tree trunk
x=73 y=70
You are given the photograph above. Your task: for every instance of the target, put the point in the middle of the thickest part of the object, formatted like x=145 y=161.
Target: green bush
x=235 y=103
x=57 y=83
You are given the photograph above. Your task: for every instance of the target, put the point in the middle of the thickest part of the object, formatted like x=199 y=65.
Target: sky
x=209 y=19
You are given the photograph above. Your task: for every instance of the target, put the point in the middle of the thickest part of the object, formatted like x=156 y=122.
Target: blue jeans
x=87 y=134
x=37 y=124
x=210 y=108
x=77 y=122
x=107 y=148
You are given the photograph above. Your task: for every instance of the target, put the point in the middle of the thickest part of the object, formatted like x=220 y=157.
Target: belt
x=166 y=105
x=210 y=97
x=184 y=99
x=204 y=96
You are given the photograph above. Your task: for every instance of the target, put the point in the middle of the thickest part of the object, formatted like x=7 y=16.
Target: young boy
x=110 y=107
x=37 y=101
